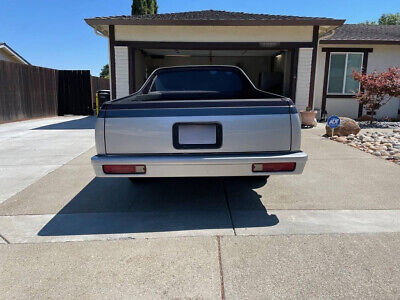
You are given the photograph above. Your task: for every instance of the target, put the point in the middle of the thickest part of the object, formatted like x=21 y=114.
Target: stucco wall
x=4 y=56
x=214 y=33
x=303 y=78
x=7 y=57
x=382 y=57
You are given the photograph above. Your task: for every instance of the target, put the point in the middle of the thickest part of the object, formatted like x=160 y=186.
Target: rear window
x=198 y=80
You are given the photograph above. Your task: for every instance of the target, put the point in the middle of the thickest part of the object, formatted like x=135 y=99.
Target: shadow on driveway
x=116 y=205
x=83 y=123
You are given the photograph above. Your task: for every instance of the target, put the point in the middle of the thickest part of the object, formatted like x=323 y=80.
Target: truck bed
x=248 y=125
x=198 y=121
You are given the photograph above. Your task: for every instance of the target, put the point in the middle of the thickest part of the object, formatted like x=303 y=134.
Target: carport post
x=313 y=66
x=111 y=43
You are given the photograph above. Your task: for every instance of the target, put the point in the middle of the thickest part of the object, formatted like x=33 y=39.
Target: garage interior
x=269 y=70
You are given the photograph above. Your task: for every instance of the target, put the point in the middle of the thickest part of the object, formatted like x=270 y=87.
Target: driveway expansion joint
x=4 y=239
x=221 y=271
x=228 y=206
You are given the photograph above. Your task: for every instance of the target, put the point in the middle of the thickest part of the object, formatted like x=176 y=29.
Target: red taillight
x=274 y=167
x=124 y=169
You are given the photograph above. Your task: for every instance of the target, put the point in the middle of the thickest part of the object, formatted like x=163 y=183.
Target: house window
x=340 y=80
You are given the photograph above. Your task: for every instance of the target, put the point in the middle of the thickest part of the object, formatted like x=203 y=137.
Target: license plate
x=197 y=134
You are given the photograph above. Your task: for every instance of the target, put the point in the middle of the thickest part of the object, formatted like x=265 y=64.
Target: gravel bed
x=379 y=125
x=385 y=145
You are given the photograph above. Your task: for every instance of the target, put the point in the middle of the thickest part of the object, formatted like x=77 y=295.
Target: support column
x=111 y=43
x=313 y=66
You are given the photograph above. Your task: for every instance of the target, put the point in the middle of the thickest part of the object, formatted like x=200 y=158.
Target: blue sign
x=333 y=122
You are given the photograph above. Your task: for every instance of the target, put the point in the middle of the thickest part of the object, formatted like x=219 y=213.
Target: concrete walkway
x=332 y=232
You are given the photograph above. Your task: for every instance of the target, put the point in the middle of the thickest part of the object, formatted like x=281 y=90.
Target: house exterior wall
x=382 y=57
x=214 y=33
x=122 y=71
x=6 y=57
x=303 y=78
x=266 y=34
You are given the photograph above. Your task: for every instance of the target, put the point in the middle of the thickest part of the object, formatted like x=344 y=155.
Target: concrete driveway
x=31 y=149
x=331 y=232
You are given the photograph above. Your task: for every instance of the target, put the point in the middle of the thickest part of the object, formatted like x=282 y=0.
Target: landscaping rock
x=380 y=124
x=347 y=127
x=381 y=144
x=396 y=156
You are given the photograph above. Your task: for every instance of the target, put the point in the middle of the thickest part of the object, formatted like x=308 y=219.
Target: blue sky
x=53 y=34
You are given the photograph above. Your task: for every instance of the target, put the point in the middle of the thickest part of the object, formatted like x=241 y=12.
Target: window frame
x=343 y=93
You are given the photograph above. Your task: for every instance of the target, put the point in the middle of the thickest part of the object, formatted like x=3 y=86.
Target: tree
x=144 y=7
x=385 y=19
x=376 y=89
x=139 y=7
x=152 y=7
x=389 y=19
x=105 y=72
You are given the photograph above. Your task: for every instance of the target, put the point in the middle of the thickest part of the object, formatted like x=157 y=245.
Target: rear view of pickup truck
x=198 y=121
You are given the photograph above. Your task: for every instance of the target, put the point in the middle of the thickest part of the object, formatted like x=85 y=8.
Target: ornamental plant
x=376 y=89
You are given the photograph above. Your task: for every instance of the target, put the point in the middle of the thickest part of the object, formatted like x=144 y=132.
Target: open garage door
x=269 y=70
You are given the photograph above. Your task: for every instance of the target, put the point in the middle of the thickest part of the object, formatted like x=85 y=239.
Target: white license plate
x=197 y=134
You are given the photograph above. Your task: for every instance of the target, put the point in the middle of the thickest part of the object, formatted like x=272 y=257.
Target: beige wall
x=4 y=56
x=214 y=33
x=122 y=71
x=382 y=57
x=7 y=57
x=303 y=78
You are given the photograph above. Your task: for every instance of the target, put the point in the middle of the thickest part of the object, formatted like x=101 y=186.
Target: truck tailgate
x=198 y=127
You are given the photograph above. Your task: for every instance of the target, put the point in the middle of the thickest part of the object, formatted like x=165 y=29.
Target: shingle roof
x=212 y=17
x=361 y=33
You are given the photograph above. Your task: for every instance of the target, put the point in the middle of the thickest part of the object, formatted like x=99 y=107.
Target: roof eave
x=310 y=22
x=360 y=42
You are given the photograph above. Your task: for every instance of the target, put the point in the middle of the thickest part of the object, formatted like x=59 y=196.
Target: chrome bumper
x=194 y=165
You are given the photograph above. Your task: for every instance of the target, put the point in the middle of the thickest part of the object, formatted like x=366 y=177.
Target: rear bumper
x=194 y=165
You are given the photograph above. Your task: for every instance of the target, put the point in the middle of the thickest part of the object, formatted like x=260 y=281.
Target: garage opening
x=269 y=70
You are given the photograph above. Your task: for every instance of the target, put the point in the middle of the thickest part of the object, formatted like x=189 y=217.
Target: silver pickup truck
x=198 y=121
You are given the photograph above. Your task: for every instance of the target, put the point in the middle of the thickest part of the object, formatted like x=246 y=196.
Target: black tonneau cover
x=195 y=95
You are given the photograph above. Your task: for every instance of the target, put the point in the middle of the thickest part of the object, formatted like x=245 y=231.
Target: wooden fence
x=97 y=84
x=27 y=92
x=31 y=92
x=74 y=93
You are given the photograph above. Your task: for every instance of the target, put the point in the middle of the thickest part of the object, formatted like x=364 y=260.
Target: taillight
x=124 y=169
x=274 y=167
